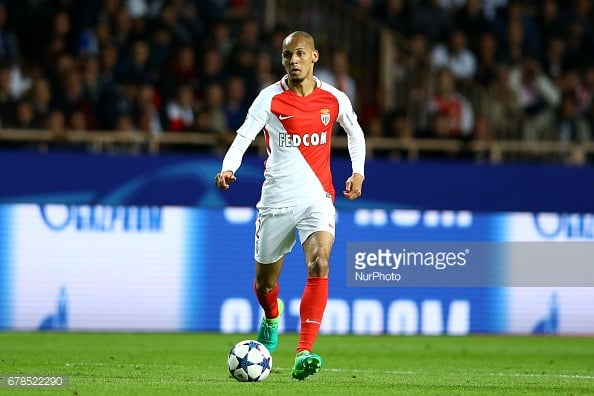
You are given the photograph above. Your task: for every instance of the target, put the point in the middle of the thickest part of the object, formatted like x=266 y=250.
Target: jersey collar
x=284 y=82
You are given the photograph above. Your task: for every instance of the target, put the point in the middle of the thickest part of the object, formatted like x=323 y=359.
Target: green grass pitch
x=195 y=364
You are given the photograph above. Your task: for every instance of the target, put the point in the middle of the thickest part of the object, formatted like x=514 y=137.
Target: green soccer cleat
x=306 y=364
x=268 y=333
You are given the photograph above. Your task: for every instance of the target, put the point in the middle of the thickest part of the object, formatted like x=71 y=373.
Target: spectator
x=136 y=65
x=513 y=19
x=24 y=117
x=248 y=36
x=56 y=124
x=161 y=50
x=169 y=17
x=191 y=24
x=91 y=78
x=235 y=102
x=108 y=72
x=512 y=48
x=413 y=85
x=337 y=73
x=397 y=124
x=537 y=96
x=491 y=8
x=180 y=110
x=74 y=98
x=7 y=100
x=264 y=70
x=431 y=19
x=147 y=111
x=9 y=42
x=212 y=69
x=274 y=41
x=395 y=14
x=115 y=100
x=548 y=22
x=245 y=51
x=572 y=83
x=554 y=60
x=77 y=122
x=182 y=70
x=121 y=32
x=501 y=108
x=587 y=79
x=450 y=108
x=455 y=55
x=578 y=48
x=568 y=125
x=211 y=117
x=124 y=123
x=41 y=99
x=220 y=38
x=92 y=38
x=61 y=38
x=487 y=60
x=471 y=19
x=214 y=104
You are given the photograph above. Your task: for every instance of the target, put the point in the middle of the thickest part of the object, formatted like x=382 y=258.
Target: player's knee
x=264 y=284
x=318 y=267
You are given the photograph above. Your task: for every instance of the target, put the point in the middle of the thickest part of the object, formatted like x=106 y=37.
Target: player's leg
x=317 y=249
x=316 y=231
x=266 y=286
x=266 y=289
x=275 y=236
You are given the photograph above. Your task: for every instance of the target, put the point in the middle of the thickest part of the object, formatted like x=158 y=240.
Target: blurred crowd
x=468 y=69
x=490 y=69
x=152 y=66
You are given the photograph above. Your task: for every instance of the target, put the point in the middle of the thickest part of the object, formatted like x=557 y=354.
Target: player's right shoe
x=268 y=332
x=306 y=364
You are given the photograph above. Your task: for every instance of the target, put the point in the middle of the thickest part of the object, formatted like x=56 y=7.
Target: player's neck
x=302 y=88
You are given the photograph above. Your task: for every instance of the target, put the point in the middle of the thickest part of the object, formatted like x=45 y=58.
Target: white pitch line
x=398 y=372
x=338 y=370
x=577 y=376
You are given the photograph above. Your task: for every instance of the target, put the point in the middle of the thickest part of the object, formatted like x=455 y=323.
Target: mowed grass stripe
x=195 y=364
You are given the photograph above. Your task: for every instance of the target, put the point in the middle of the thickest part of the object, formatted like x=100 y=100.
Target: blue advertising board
x=117 y=242
x=187 y=180
x=151 y=268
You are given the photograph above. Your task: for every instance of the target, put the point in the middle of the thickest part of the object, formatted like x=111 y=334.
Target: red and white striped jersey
x=298 y=135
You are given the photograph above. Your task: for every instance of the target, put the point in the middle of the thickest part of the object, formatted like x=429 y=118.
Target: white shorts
x=275 y=227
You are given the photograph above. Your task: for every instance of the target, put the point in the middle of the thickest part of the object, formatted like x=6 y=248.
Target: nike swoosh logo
x=308 y=320
x=282 y=117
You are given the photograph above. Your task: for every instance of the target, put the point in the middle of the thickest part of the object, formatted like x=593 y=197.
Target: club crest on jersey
x=325 y=116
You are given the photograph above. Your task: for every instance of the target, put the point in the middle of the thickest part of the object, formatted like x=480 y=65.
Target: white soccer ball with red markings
x=249 y=361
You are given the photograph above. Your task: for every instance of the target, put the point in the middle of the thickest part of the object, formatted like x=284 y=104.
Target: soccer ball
x=249 y=361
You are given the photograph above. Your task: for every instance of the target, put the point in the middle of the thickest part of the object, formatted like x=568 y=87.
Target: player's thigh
x=275 y=234
x=318 y=246
x=316 y=217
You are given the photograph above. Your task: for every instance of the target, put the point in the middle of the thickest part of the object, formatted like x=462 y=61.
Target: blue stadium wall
x=146 y=243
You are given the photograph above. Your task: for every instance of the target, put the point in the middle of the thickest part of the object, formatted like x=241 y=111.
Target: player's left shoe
x=268 y=332
x=306 y=364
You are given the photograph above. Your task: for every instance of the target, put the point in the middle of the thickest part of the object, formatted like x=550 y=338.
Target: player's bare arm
x=353 y=186
x=224 y=179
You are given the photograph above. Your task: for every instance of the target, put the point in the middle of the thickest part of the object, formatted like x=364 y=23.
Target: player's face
x=298 y=58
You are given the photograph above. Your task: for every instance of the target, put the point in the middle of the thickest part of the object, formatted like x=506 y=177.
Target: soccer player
x=296 y=115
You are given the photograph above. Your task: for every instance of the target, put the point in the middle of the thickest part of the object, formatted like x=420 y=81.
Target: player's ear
x=315 y=56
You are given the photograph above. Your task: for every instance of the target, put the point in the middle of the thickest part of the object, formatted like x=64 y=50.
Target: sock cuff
x=316 y=280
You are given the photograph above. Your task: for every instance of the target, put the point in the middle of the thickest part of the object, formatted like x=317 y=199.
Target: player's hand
x=223 y=179
x=354 y=187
